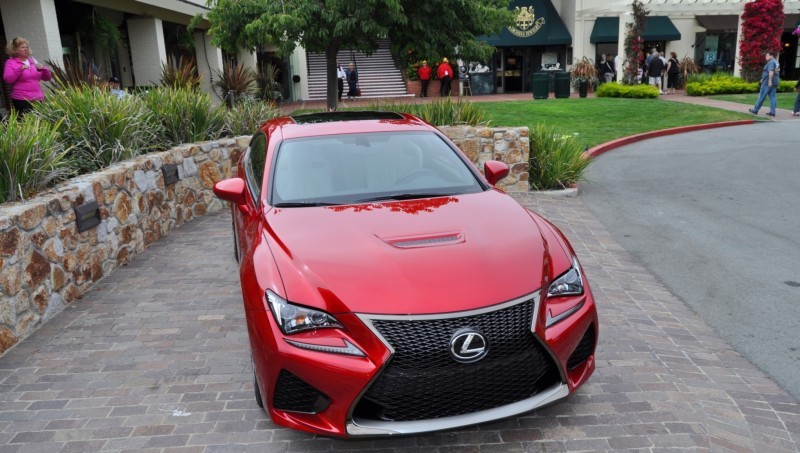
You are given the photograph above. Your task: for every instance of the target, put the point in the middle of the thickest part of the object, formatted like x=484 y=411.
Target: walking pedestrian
x=769 y=85
x=796 y=109
x=654 y=70
x=23 y=73
x=607 y=69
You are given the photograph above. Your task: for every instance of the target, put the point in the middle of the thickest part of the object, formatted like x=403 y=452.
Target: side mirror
x=494 y=170
x=232 y=190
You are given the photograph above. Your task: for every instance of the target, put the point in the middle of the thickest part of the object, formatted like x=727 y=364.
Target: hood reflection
x=405 y=206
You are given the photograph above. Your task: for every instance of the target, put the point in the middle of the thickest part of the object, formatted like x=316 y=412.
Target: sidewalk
x=156 y=358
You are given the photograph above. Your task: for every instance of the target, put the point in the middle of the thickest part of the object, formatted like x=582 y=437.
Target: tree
x=762 y=25
x=330 y=25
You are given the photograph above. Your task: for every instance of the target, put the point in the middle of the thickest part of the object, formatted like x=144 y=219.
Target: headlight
x=294 y=318
x=569 y=283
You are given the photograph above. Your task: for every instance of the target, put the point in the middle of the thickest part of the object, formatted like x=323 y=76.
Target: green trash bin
x=540 y=83
x=562 y=85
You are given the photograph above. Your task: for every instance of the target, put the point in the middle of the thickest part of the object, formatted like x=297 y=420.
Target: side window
x=254 y=166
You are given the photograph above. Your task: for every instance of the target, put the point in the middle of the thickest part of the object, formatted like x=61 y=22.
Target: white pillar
x=34 y=20
x=624 y=19
x=298 y=67
x=209 y=64
x=148 y=51
x=737 y=67
x=248 y=59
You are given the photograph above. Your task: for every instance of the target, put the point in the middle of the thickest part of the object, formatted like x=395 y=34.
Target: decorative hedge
x=616 y=90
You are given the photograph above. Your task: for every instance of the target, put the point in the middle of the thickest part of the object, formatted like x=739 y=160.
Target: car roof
x=347 y=122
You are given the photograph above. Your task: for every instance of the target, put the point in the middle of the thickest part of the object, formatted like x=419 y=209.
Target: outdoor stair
x=378 y=77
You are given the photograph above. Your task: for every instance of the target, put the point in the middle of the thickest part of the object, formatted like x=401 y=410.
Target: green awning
x=656 y=28
x=606 y=29
x=660 y=28
x=537 y=24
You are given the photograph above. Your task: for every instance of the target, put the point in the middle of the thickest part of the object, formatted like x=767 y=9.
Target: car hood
x=432 y=255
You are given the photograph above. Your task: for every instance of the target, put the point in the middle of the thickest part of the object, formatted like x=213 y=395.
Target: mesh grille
x=422 y=381
x=292 y=394
x=584 y=349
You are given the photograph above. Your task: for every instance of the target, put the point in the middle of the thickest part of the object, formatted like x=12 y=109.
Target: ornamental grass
x=31 y=156
x=557 y=161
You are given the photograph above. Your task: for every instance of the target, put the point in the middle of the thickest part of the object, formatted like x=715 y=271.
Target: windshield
x=355 y=168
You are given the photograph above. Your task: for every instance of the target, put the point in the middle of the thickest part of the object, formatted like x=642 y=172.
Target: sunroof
x=328 y=117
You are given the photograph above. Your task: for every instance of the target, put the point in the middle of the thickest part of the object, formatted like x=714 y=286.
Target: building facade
x=149 y=34
x=546 y=35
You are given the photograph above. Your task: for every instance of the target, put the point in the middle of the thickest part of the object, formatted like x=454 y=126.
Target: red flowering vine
x=634 y=44
x=762 y=25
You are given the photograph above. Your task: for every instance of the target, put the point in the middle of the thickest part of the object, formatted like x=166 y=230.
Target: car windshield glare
x=353 y=168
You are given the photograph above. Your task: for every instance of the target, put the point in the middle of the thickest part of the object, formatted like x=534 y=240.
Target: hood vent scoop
x=428 y=240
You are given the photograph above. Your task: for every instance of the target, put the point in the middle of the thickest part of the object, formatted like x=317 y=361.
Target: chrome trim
x=347 y=349
x=375 y=428
x=551 y=320
x=357 y=427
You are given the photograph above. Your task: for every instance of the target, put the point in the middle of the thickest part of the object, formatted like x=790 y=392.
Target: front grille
x=584 y=349
x=422 y=381
x=293 y=394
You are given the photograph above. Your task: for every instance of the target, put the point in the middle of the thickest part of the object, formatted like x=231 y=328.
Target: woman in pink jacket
x=23 y=73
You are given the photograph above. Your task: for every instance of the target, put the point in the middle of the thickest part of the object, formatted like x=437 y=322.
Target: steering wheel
x=418 y=173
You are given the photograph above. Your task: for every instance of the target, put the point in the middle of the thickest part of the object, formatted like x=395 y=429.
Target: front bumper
x=402 y=389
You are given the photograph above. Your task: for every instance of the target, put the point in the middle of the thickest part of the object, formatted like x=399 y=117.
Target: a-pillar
x=36 y=21
x=148 y=51
x=209 y=64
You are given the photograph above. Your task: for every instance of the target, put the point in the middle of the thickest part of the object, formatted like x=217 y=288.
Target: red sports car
x=390 y=289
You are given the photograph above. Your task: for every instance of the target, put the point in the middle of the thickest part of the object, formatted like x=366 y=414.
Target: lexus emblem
x=468 y=345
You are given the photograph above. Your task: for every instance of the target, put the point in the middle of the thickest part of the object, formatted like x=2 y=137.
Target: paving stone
x=156 y=358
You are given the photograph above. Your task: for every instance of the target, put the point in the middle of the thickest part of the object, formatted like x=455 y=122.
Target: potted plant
x=584 y=73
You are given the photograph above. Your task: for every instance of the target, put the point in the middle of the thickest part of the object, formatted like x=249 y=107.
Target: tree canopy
x=431 y=27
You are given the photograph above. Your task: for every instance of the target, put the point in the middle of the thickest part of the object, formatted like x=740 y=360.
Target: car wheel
x=257 y=391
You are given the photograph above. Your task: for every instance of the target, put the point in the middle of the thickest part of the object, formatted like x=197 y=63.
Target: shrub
x=442 y=112
x=616 y=90
x=182 y=74
x=187 y=115
x=557 y=161
x=721 y=83
x=247 y=114
x=100 y=128
x=235 y=81
x=31 y=156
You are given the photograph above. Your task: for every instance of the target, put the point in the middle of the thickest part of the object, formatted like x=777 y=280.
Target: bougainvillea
x=634 y=44
x=762 y=25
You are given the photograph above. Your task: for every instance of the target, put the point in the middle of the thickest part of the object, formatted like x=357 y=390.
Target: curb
x=608 y=146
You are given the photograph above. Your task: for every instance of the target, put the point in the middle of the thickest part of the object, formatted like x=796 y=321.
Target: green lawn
x=599 y=120
x=785 y=100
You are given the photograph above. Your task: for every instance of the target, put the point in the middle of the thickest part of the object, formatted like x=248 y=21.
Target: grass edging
x=608 y=146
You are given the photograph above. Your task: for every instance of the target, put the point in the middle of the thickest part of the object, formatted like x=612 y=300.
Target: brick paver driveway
x=156 y=358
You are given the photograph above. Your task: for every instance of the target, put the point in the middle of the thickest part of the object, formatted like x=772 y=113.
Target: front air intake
x=583 y=351
x=293 y=394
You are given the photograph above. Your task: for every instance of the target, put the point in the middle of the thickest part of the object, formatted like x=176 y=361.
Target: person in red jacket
x=425 y=73
x=445 y=73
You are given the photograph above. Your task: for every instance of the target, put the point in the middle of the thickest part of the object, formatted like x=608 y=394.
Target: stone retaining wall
x=46 y=263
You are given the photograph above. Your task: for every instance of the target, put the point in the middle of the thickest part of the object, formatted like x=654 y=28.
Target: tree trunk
x=332 y=92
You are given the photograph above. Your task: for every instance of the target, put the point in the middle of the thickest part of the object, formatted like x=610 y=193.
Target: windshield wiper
x=403 y=196
x=304 y=204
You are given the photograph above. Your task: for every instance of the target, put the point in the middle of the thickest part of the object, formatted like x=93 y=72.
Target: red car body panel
x=426 y=256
